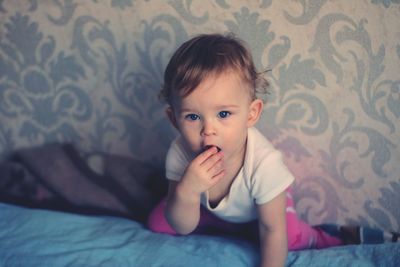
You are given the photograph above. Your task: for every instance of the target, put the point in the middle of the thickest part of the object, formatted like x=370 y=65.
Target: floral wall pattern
x=89 y=72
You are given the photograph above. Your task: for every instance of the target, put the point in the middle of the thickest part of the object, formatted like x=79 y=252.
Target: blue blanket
x=30 y=237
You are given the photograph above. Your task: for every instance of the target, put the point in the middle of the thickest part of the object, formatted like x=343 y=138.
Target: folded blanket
x=60 y=177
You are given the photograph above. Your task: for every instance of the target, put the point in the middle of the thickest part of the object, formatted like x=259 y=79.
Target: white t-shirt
x=262 y=177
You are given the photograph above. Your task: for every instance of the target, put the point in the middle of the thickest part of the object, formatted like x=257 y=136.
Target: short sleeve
x=176 y=161
x=271 y=177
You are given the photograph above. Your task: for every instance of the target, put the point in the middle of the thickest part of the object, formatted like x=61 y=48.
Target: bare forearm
x=273 y=249
x=183 y=203
x=183 y=211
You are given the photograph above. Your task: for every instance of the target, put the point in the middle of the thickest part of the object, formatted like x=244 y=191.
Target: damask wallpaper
x=89 y=72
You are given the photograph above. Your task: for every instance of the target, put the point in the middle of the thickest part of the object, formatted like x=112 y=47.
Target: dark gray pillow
x=59 y=177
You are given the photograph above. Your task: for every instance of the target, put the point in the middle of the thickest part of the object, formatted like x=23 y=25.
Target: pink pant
x=300 y=234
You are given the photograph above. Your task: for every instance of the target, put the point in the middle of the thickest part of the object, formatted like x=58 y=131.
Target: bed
x=57 y=209
x=33 y=237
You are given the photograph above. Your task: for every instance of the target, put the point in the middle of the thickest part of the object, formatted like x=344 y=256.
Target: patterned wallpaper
x=89 y=72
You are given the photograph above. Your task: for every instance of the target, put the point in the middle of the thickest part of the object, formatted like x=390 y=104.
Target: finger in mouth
x=210 y=146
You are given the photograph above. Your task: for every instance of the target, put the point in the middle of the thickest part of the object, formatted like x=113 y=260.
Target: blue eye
x=192 y=117
x=224 y=114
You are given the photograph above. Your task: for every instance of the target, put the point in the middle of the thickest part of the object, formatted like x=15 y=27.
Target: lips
x=210 y=146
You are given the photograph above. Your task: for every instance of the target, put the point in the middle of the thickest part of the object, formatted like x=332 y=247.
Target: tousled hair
x=208 y=54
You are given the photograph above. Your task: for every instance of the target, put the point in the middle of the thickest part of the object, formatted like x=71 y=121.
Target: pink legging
x=300 y=235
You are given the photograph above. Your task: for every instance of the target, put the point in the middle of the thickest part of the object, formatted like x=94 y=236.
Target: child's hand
x=203 y=172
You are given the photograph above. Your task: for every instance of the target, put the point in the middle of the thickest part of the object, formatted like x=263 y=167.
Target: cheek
x=187 y=128
x=190 y=134
x=234 y=136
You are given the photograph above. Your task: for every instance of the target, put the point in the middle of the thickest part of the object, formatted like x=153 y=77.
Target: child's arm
x=183 y=202
x=183 y=209
x=273 y=235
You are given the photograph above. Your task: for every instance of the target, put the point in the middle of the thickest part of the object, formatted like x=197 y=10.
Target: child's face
x=217 y=113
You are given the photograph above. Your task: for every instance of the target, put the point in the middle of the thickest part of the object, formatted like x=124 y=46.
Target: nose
x=208 y=128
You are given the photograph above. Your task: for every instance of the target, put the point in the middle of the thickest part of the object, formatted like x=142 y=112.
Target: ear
x=171 y=116
x=255 y=110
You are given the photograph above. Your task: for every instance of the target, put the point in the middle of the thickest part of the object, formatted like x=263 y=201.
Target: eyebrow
x=227 y=107
x=220 y=107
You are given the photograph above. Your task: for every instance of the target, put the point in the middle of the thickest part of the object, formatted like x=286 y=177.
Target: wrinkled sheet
x=32 y=237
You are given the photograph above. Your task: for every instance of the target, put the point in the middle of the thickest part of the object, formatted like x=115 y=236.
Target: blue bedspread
x=31 y=237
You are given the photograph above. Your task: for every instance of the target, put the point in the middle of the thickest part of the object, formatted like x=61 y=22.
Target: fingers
x=206 y=169
x=206 y=154
x=214 y=167
x=215 y=179
x=218 y=176
x=213 y=163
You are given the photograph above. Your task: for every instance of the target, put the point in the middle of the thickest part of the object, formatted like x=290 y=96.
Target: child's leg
x=157 y=221
x=301 y=235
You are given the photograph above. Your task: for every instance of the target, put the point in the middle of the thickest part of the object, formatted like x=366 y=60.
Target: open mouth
x=210 y=146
